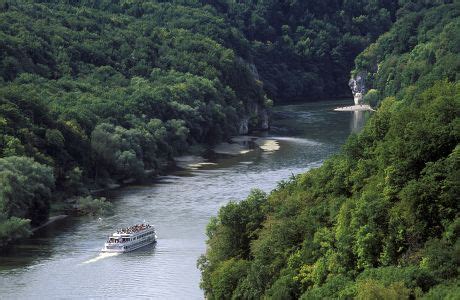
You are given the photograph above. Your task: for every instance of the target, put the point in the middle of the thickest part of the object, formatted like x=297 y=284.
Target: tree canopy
x=379 y=220
x=304 y=50
x=105 y=91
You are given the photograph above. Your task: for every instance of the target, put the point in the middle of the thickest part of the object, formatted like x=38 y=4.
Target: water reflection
x=358 y=120
x=41 y=246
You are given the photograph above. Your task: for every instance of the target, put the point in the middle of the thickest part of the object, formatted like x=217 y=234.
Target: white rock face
x=357 y=85
x=358 y=98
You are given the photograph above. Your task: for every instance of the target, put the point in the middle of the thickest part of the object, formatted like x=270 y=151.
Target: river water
x=63 y=259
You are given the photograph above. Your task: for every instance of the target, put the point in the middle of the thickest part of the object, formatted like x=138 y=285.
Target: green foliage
x=93 y=206
x=25 y=188
x=285 y=287
x=25 y=191
x=372 y=97
x=411 y=277
x=237 y=225
x=421 y=47
x=441 y=259
x=337 y=286
x=448 y=291
x=13 y=228
x=380 y=219
x=226 y=277
x=110 y=91
x=305 y=49
x=120 y=64
x=371 y=289
x=54 y=138
x=230 y=236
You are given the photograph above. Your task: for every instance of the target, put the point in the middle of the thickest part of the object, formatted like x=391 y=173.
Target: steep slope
x=104 y=91
x=304 y=50
x=380 y=220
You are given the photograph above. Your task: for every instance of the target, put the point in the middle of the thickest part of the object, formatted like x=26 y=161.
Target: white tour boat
x=131 y=238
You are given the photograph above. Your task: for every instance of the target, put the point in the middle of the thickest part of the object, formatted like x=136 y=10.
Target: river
x=63 y=259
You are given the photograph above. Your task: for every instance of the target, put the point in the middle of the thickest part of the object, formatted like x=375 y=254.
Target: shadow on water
x=40 y=246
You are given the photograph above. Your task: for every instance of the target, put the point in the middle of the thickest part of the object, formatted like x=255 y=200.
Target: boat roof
x=125 y=234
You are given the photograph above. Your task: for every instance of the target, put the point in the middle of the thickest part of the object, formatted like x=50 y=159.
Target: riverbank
x=191 y=161
x=359 y=107
x=179 y=205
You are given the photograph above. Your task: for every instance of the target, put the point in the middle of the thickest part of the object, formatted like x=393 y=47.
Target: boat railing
x=117 y=241
x=134 y=229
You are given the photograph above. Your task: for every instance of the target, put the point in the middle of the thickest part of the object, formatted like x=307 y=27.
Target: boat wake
x=101 y=256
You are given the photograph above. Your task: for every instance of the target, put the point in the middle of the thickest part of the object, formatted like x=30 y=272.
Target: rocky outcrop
x=243 y=127
x=264 y=119
x=258 y=118
x=257 y=115
x=358 y=87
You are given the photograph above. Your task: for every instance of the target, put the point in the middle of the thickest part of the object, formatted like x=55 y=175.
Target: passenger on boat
x=133 y=229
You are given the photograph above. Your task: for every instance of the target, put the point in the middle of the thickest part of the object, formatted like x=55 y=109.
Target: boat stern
x=113 y=247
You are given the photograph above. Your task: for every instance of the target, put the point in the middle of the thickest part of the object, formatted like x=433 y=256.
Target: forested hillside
x=99 y=92
x=379 y=220
x=304 y=50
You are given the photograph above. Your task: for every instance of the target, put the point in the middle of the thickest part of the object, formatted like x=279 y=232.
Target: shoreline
x=167 y=168
x=359 y=107
x=50 y=221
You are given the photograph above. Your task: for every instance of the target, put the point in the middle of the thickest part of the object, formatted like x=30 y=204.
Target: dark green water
x=63 y=260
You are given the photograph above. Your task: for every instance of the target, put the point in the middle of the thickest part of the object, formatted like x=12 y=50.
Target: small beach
x=359 y=107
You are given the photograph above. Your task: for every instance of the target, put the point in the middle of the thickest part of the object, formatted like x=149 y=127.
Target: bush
x=93 y=206
x=372 y=97
x=13 y=228
x=226 y=277
x=447 y=291
x=375 y=290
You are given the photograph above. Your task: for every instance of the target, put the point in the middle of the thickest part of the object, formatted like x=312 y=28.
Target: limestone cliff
x=257 y=116
x=256 y=119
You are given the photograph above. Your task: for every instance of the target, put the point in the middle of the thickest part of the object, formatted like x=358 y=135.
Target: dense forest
x=100 y=92
x=93 y=93
x=305 y=49
x=379 y=220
